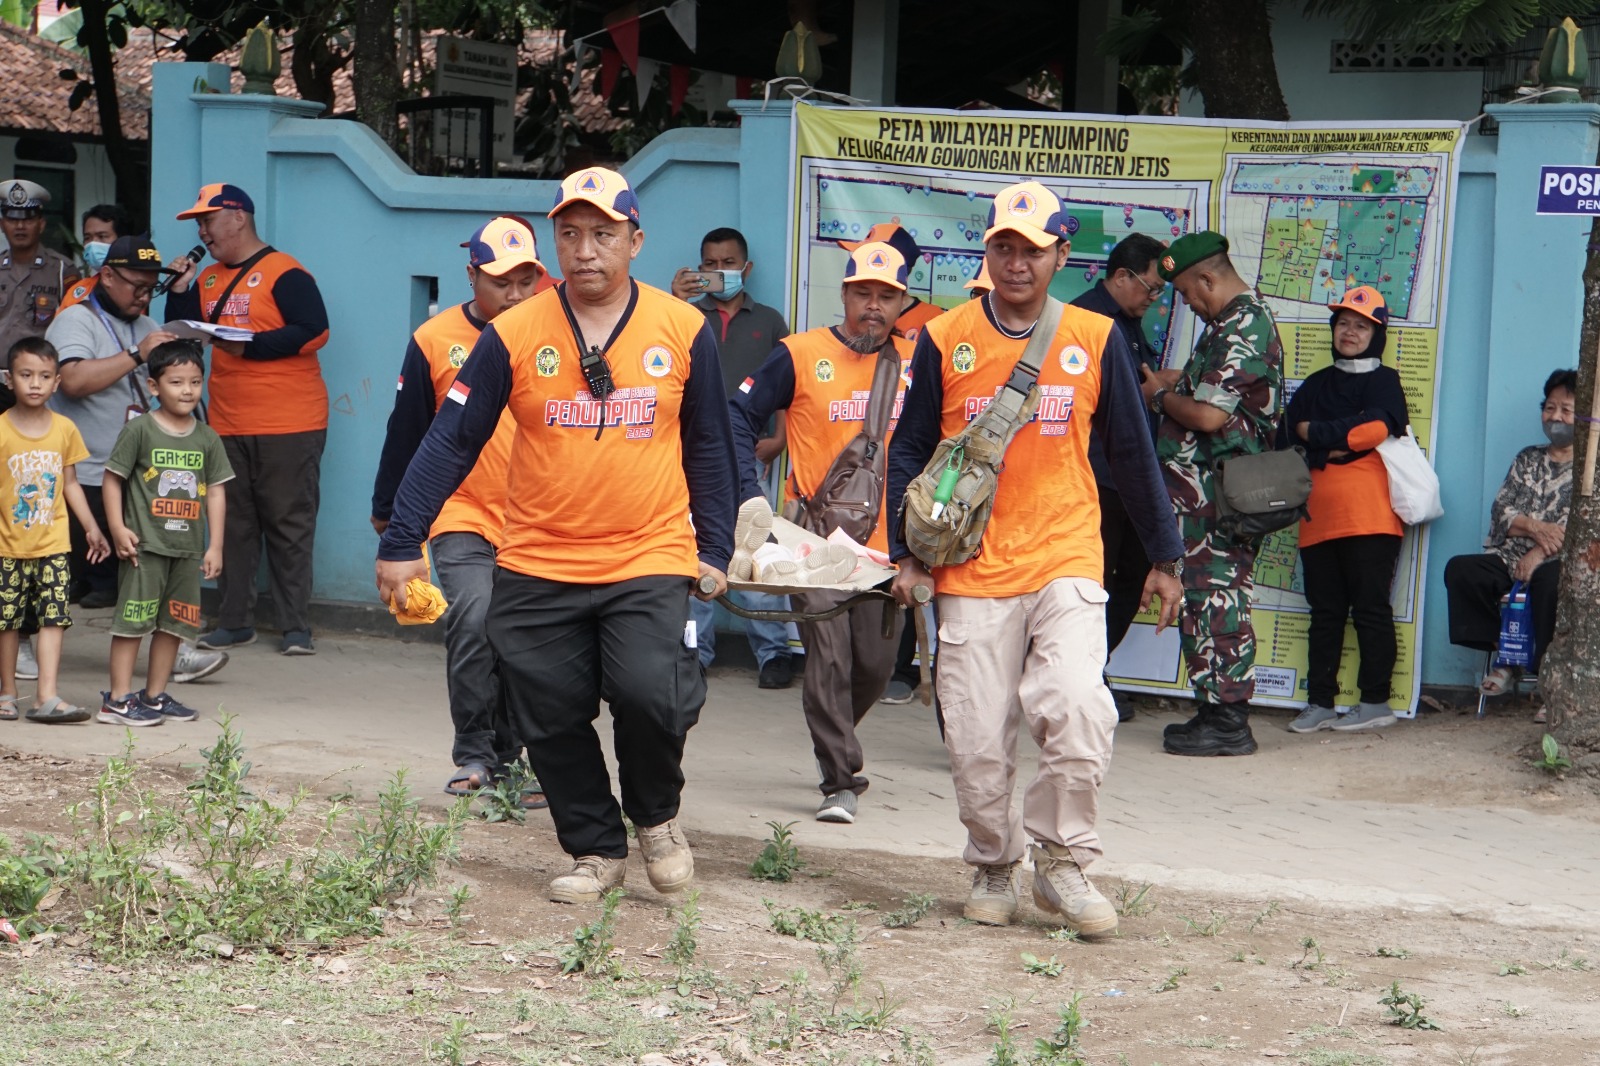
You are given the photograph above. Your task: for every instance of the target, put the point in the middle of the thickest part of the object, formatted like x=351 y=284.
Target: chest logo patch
x=964 y=358
x=824 y=369
x=547 y=361
x=458 y=355
x=657 y=361
x=1074 y=360
x=253 y=280
x=211 y=281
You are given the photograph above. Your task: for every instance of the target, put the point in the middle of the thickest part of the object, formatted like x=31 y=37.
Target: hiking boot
x=27 y=665
x=591 y=877
x=667 y=858
x=1366 y=716
x=994 y=894
x=1313 y=719
x=1225 y=730
x=128 y=711
x=194 y=663
x=1060 y=888
x=838 y=807
x=778 y=672
x=898 y=692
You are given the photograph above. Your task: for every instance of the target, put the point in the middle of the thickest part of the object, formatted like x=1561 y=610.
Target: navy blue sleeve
x=708 y=462
x=772 y=391
x=185 y=304
x=1120 y=421
x=916 y=435
x=450 y=449
x=305 y=318
x=414 y=404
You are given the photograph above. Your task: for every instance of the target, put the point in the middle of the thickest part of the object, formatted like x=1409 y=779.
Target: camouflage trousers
x=1215 y=632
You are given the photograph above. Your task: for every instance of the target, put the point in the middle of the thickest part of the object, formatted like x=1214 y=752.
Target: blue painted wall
x=332 y=194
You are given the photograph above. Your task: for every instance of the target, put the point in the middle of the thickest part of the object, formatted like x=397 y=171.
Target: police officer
x=32 y=278
x=1224 y=404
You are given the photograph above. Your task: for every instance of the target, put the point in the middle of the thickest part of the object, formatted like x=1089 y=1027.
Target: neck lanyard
x=592 y=359
x=132 y=375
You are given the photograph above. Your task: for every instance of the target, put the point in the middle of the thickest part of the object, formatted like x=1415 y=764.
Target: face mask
x=732 y=284
x=94 y=255
x=1358 y=366
x=1560 y=434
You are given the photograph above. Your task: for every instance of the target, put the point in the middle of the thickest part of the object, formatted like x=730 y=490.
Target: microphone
x=197 y=253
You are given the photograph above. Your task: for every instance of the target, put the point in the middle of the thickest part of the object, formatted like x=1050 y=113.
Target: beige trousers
x=1038 y=657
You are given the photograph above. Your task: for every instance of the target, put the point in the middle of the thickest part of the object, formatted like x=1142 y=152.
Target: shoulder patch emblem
x=1074 y=360
x=253 y=280
x=458 y=355
x=824 y=369
x=657 y=361
x=964 y=358
x=547 y=361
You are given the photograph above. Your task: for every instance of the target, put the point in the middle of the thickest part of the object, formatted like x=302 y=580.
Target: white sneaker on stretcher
x=827 y=564
x=750 y=531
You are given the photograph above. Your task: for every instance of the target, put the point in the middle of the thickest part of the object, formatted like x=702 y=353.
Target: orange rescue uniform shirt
x=911 y=323
x=479 y=505
x=831 y=386
x=261 y=396
x=558 y=527
x=1046 y=519
x=1352 y=499
x=78 y=293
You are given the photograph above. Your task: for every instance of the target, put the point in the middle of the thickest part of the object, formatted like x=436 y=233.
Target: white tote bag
x=1413 y=486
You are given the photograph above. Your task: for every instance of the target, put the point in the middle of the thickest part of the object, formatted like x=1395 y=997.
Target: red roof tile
x=33 y=95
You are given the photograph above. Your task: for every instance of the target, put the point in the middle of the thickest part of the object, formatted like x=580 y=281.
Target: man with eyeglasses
x=1129 y=288
x=622 y=432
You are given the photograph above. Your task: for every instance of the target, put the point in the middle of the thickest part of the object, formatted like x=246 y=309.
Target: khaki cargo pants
x=1038 y=658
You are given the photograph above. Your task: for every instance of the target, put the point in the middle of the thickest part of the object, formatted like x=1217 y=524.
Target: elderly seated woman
x=1527 y=525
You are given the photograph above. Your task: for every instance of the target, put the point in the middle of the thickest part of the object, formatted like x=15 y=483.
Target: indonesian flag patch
x=459 y=393
x=747 y=384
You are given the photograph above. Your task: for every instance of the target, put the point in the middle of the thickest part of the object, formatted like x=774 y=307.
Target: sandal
x=56 y=711
x=8 y=708
x=1496 y=682
x=468 y=773
x=533 y=798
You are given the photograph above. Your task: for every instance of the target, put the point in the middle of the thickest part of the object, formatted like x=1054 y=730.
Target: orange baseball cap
x=605 y=189
x=878 y=261
x=1365 y=301
x=1029 y=209
x=219 y=197
x=892 y=234
x=501 y=245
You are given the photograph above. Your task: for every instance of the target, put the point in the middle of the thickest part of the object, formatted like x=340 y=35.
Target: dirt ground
x=1191 y=978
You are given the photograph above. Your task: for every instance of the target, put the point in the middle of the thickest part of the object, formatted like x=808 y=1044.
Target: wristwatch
x=1172 y=567
x=133 y=350
x=1158 y=402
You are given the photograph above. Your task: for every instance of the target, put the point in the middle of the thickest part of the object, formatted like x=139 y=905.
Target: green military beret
x=1188 y=250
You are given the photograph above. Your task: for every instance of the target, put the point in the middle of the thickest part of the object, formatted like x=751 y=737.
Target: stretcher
x=868 y=583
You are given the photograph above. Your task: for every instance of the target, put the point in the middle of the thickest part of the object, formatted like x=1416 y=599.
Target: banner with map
x=1310 y=210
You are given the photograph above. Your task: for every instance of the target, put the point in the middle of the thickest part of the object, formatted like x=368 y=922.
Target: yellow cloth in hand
x=424 y=604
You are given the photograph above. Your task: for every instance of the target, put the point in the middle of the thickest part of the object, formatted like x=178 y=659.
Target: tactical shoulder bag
x=850 y=496
x=947 y=506
x=1262 y=493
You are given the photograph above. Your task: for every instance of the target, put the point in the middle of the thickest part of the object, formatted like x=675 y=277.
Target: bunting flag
x=580 y=52
x=678 y=86
x=625 y=35
x=644 y=78
x=610 y=65
x=681 y=13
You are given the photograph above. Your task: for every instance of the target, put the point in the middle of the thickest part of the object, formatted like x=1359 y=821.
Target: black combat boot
x=1202 y=707
x=1224 y=730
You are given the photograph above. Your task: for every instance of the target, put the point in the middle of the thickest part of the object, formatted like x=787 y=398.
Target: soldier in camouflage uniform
x=1225 y=403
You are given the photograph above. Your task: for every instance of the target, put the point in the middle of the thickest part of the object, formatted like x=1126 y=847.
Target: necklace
x=995 y=318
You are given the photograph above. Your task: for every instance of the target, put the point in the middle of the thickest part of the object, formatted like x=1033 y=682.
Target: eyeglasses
x=139 y=291
x=597 y=373
x=1152 y=291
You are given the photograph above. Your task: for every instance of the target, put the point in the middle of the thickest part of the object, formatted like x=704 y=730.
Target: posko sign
x=1565 y=190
